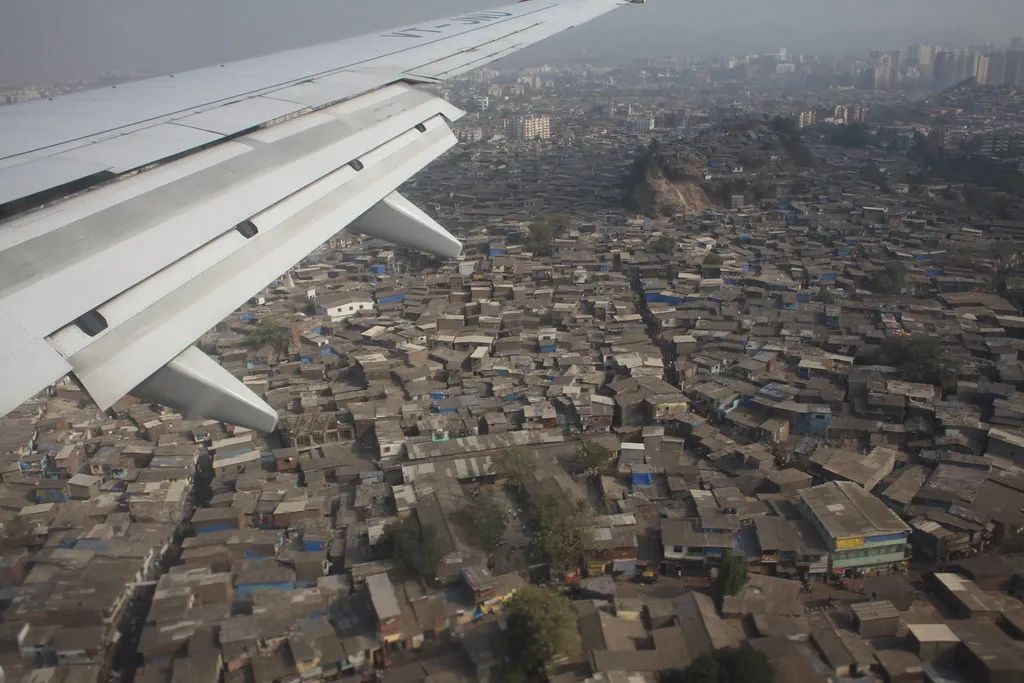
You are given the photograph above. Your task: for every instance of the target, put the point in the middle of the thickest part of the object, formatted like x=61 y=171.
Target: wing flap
x=159 y=317
x=194 y=384
x=397 y=220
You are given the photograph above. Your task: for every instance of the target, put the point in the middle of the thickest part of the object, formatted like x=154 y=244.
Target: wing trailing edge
x=132 y=220
x=137 y=270
x=194 y=383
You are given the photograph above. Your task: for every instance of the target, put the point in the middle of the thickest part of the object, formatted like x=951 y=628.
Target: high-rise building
x=480 y=103
x=807 y=118
x=996 y=67
x=980 y=69
x=883 y=77
x=532 y=128
x=925 y=55
x=1006 y=68
x=1014 y=74
x=897 y=60
x=953 y=66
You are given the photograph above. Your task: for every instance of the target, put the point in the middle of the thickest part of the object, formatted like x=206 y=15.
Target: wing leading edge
x=114 y=281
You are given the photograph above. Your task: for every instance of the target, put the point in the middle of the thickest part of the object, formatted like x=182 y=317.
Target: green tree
x=873 y=174
x=828 y=295
x=749 y=159
x=733 y=665
x=712 y=259
x=592 y=457
x=732 y=574
x=515 y=465
x=785 y=126
x=918 y=358
x=663 y=245
x=789 y=140
x=889 y=280
x=852 y=135
x=544 y=229
x=413 y=546
x=269 y=333
x=559 y=528
x=540 y=624
x=484 y=520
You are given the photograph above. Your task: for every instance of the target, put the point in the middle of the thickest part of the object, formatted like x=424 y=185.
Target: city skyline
x=62 y=41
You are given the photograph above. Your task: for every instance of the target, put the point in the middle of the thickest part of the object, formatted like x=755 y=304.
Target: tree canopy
x=889 y=280
x=559 y=525
x=873 y=174
x=733 y=665
x=484 y=520
x=918 y=358
x=413 y=546
x=852 y=135
x=663 y=245
x=791 y=143
x=269 y=333
x=712 y=259
x=541 y=623
x=732 y=574
x=515 y=465
x=544 y=229
x=592 y=457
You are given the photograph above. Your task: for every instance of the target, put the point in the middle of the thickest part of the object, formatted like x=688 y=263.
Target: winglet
x=397 y=220
x=196 y=384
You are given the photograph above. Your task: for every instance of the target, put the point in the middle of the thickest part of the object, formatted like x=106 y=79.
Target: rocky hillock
x=665 y=183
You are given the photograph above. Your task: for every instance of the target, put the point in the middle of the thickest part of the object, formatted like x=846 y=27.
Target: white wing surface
x=134 y=218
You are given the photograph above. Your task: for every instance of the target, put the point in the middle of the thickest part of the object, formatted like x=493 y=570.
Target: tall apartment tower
x=533 y=128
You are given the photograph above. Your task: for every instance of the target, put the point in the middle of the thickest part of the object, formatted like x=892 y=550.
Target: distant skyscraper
x=996 y=67
x=883 y=77
x=1006 y=68
x=1014 y=68
x=807 y=118
x=953 y=66
x=897 y=60
x=925 y=55
x=980 y=71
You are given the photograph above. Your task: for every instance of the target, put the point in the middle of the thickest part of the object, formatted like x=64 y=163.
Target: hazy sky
x=59 y=40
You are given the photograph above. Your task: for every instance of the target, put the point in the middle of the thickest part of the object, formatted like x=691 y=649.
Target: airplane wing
x=134 y=218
